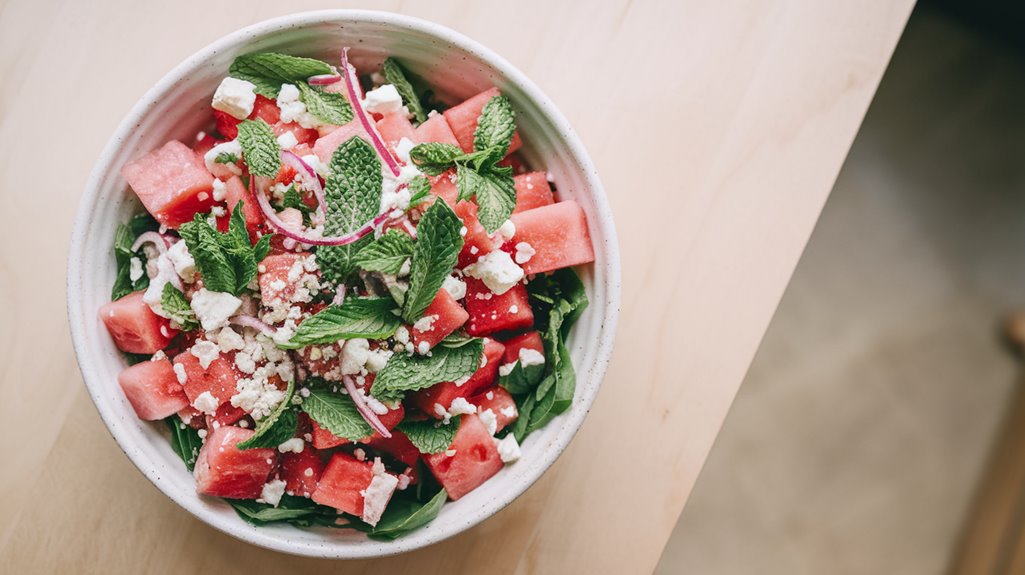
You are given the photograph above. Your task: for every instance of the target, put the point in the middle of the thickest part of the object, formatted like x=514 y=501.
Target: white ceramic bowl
x=178 y=106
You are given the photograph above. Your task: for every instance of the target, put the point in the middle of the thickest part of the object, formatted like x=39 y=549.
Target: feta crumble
x=524 y=252
x=205 y=351
x=234 y=97
x=294 y=445
x=508 y=448
x=206 y=403
x=378 y=493
x=272 y=492
x=214 y=308
x=455 y=287
x=182 y=261
x=383 y=100
x=233 y=148
x=135 y=269
x=497 y=270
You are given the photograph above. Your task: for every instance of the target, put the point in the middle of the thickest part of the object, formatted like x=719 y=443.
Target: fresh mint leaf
x=268 y=71
x=429 y=436
x=496 y=197
x=395 y=75
x=468 y=181
x=405 y=373
x=353 y=192
x=185 y=441
x=419 y=189
x=124 y=237
x=328 y=107
x=366 y=317
x=495 y=127
x=226 y=261
x=433 y=158
x=387 y=253
x=262 y=247
x=278 y=427
x=336 y=413
x=173 y=302
x=259 y=148
x=403 y=516
x=226 y=158
x=435 y=253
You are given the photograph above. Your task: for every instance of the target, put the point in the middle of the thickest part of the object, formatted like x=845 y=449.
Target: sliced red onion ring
x=158 y=241
x=297 y=164
x=324 y=79
x=279 y=226
x=255 y=323
x=351 y=81
x=364 y=409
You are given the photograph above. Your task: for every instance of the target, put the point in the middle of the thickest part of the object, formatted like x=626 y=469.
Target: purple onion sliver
x=158 y=241
x=324 y=79
x=351 y=81
x=364 y=409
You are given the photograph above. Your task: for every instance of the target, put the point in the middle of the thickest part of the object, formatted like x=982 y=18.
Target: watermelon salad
x=347 y=307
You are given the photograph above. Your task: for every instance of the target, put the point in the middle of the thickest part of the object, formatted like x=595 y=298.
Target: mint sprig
x=404 y=373
x=435 y=253
x=337 y=414
x=395 y=75
x=366 y=317
x=387 y=253
x=353 y=193
x=278 y=427
x=259 y=148
x=173 y=302
x=328 y=107
x=226 y=261
x=419 y=190
x=495 y=127
x=429 y=436
x=268 y=71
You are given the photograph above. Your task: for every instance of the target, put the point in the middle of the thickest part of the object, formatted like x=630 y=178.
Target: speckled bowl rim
x=235 y=526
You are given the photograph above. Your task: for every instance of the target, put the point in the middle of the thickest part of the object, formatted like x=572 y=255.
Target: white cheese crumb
x=402 y=335
x=529 y=357
x=293 y=109
x=308 y=472
x=287 y=141
x=455 y=287
x=206 y=403
x=354 y=356
x=506 y=369
x=179 y=373
x=497 y=270
x=232 y=148
x=214 y=308
x=181 y=259
x=230 y=340
x=135 y=269
x=490 y=420
x=425 y=323
x=508 y=448
x=295 y=445
x=272 y=492
x=423 y=347
x=234 y=97
x=220 y=191
x=524 y=252
x=378 y=493
x=506 y=231
x=509 y=411
x=205 y=351
x=383 y=100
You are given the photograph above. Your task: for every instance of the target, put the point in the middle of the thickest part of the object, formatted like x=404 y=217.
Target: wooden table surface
x=718 y=128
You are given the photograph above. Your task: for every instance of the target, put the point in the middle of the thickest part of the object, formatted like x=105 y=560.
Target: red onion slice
x=351 y=81
x=158 y=241
x=279 y=226
x=324 y=79
x=255 y=323
x=297 y=164
x=364 y=409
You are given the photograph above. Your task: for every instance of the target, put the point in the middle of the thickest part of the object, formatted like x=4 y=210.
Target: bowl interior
x=179 y=106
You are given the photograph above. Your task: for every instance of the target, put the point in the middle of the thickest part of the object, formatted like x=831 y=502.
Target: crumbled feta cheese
x=378 y=493
x=490 y=420
x=455 y=287
x=529 y=357
x=458 y=407
x=295 y=445
x=135 y=269
x=234 y=97
x=509 y=411
x=181 y=259
x=506 y=231
x=220 y=191
x=205 y=351
x=272 y=492
x=402 y=149
x=201 y=433
x=354 y=356
x=230 y=340
x=313 y=161
x=423 y=347
x=524 y=252
x=206 y=403
x=383 y=100
x=164 y=274
x=426 y=323
x=450 y=453
x=506 y=369
x=292 y=108
x=377 y=359
x=514 y=308
x=232 y=148
x=287 y=141
x=256 y=395
x=214 y=308
x=508 y=448
x=179 y=373
x=497 y=270
x=308 y=472
x=402 y=335
x=359 y=454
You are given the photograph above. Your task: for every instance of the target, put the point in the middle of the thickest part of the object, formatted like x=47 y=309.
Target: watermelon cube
x=204 y=143
x=444 y=186
x=475 y=459
x=557 y=235
x=435 y=129
x=265 y=109
x=530 y=340
x=462 y=120
x=134 y=326
x=393 y=127
x=275 y=286
x=220 y=378
x=234 y=192
x=224 y=470
x=302 y=135
x=325 y=147
x=532 y=191
x=491 y=313
x=498 y=400
x=445 y=393
x=441 y=318
x=226 y=414
x=301 y=471
x=343 y=482
x=226 y=124
x=152 y=389
x=476 y=242
x=172 y=182
x=398 y=447
x=324 y=439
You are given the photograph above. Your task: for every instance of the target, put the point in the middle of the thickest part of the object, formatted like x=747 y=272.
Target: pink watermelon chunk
x=475 y=460
x=134 y=326
x=172 y=182
x=342 y=483
x=234 y=192
x=448 y=316
x=224 y=470
x=444 y=393
x=398 y=446
x=435 y=129
x=530 y=340
x=532 y=191
x=476 y=242
x=462 y=120
x=491 y=313
x=273 y=278
x=220 y=378
x=557 y=234
x=325 y=147
x=324 y=439
x=498 y=400
x=152 y=389
x=301 y=471
x=393 y=127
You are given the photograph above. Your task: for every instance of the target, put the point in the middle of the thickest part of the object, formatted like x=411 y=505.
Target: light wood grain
x=718 y=128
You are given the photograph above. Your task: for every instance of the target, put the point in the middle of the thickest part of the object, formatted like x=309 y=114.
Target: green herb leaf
x=396 y=76
x=403 y=516
x=278 y=427
x=405 y=373
x=328 y=107
x=353 y=192
x=226 y=260
x=419 y=189
x=260 y=148
x=173 y=302
x=522 y=379
x=469 y=182
x=292 y=509
x=366 y=317
x=185 y=441
x=429 y=436
x=433 y=158
x=337 y=414
x=226 y=158
x=262 y=247
x=387 y=253
x=124 y=237
x=496 y=197
x=435 y=253
x=495 y=127
x=268 y=71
